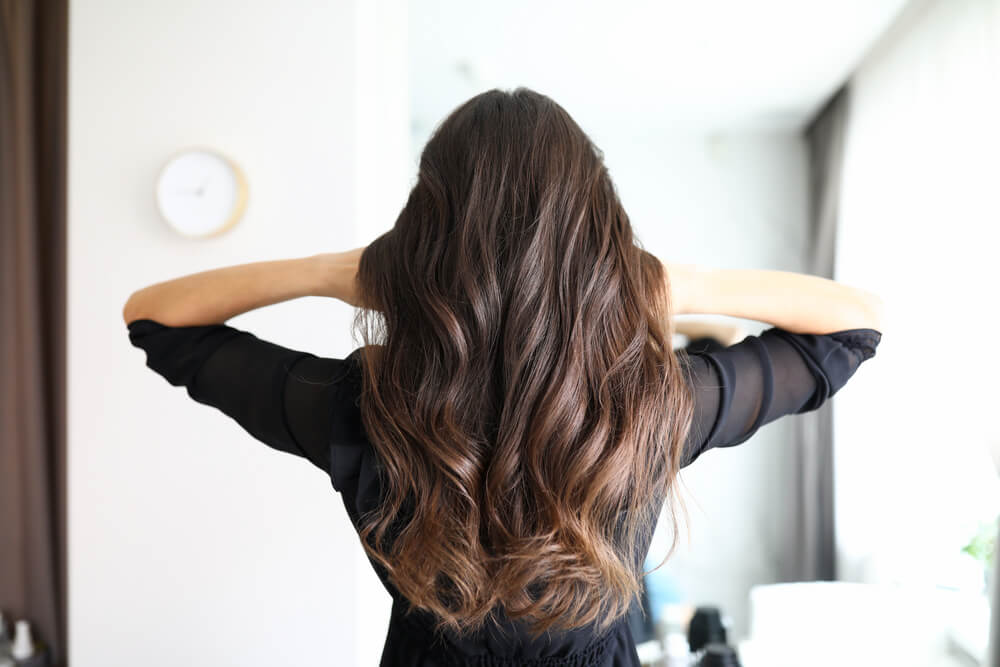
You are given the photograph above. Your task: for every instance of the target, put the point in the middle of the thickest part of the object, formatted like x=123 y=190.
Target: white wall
x=190 y=542
x=919 y=227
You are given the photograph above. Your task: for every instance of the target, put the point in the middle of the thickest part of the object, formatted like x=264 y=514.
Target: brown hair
x=520 y=387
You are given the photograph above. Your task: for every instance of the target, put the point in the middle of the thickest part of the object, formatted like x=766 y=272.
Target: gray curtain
x=33 y=50
x=815 y=539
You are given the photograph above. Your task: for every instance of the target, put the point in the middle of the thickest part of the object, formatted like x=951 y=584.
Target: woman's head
x=520 y=388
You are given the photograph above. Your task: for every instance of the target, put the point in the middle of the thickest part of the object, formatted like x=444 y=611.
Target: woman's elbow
x=130 y=311
x=874 y=311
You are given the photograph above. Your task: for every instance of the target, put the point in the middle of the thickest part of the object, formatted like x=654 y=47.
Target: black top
x=307 y=405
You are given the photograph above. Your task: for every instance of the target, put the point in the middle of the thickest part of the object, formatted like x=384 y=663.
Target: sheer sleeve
x=741 y=387
x=287 y=399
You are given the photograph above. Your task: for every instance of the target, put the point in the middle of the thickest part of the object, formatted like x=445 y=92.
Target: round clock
x=201 y=192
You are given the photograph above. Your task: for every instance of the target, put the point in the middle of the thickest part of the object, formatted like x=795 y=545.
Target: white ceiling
x=696 y=65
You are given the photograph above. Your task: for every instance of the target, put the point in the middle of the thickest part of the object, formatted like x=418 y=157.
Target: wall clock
x=200 y=192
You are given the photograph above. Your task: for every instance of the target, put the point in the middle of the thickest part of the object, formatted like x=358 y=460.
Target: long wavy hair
x=519 y=383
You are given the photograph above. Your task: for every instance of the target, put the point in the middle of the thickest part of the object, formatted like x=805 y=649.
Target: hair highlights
x=520 y=386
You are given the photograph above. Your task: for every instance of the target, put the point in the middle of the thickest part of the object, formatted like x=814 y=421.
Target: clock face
x=201 y=193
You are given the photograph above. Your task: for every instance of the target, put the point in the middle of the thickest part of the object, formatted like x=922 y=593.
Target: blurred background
x=857 y=140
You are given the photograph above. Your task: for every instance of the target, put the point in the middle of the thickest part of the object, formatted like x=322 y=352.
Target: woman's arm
x=796 y=302
x=214 y=296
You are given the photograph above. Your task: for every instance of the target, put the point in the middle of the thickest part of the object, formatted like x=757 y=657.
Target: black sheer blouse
x=307 y=405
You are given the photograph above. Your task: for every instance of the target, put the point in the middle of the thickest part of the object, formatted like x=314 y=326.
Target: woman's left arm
x=214 y=296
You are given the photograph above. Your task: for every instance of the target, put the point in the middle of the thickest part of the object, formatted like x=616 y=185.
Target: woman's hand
x=339 y=271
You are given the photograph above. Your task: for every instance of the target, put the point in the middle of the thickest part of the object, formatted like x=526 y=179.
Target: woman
x=511 y=430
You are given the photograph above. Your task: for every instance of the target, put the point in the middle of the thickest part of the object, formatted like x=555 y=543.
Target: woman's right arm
x=822 y=331
x=795 y=302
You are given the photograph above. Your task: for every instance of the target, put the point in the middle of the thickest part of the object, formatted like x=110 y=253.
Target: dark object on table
x=719 y=655
x=39 y=659
x=706 y=628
